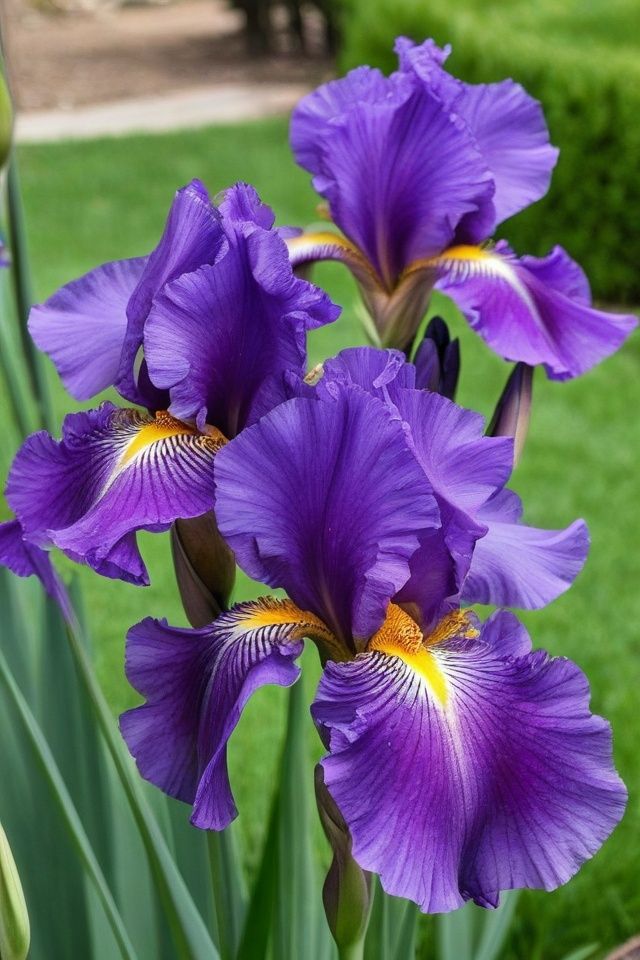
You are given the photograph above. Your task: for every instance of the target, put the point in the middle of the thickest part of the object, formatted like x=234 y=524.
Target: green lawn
x=95 y=201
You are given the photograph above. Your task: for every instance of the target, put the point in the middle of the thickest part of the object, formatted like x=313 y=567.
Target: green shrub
x=578 y=58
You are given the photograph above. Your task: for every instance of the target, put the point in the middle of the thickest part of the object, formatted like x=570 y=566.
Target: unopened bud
x=437 y=360
x=347 y=892
x=15 y=934
x=513 y=409
x=205 y=568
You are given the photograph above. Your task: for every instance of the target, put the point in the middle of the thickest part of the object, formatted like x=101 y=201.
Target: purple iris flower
x=418 y=170
x=462 y=762
x=200 y=333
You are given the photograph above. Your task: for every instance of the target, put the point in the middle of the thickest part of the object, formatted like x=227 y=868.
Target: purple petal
x=464 y=466
x=311 y=119
x=400 y=175
x=462 y=771
x=511 y=132
x=324 y=498
x=519 y=566
x=82 y=327
x=193 y=236
x=221 y=338
x=506 y=123
x=114 y=472
x=242 y=204
x=379 y=372
x=26 y=560
x=534 y=310
x=196 y=683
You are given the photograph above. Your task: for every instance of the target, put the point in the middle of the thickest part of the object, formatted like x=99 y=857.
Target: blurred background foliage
x=581 y=59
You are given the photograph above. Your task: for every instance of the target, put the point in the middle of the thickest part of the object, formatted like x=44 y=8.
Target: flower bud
x=513 y=409
x=346 y=894
x=437 y=360
x=15 y=934
x=204 y=566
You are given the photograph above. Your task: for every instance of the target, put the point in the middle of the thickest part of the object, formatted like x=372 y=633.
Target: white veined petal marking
x=147 y=442
x=464 y=262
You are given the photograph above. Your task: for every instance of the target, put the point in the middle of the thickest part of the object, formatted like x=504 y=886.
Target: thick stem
x=353 y=952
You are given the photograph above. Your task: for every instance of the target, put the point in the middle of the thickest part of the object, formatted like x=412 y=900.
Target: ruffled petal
x=196 y=683
x=380 y=372
x=507 y=124
x=324 y=498
x=534 y=310
x=511 y=132
x=193 y=236
x=519 y=566
x=114 y=472
x=82 y=327
x=217 y=338
x=462 y=770
x=464 y=466
x=399 y=175
x=311 y=119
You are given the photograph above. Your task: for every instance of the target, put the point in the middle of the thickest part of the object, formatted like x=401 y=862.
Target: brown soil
x=65 y=59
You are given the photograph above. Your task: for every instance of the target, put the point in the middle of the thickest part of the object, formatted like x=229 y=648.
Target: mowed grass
x=91 y=202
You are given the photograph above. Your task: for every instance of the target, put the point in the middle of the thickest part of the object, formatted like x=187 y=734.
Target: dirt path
x=63 y=61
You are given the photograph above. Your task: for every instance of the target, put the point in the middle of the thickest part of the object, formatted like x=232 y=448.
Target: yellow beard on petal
x=400 y=636
x=163 y=427
x=272 y=612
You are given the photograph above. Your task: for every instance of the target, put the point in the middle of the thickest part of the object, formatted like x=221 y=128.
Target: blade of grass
x=21 y=274
x=406 y=933
x=257 y=927
x=190 y=934
x=494 y=926
x=298 y=896
x=67 y=809
x=192 y=859
x=229 y=891
x=582 y=953
x=454 y=934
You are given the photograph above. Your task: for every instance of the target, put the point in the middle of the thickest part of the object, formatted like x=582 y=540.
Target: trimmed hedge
x=579 y=61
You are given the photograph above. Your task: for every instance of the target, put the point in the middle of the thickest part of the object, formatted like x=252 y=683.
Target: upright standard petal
x=507 y=124
x=324 y=498
x=114 y=472
x=530 y=309
x=511 y=132
x=218 y=338
x=193 y=236
x=196 y=683
x=312 y=117
x=82 y=326
x=515 y=565
x=462 y=769
x=465 y=469
x=400 y=175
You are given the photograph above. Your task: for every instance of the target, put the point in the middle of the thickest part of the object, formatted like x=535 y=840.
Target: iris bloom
x=462 y=762
x=418 y=170
x=200 y=334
